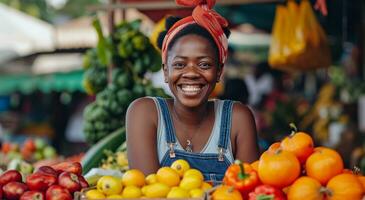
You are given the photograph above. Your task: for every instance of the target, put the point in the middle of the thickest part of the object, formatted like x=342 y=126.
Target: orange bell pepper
x=242 y=177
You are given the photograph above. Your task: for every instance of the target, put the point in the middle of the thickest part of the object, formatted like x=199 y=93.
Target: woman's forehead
x=193 y=45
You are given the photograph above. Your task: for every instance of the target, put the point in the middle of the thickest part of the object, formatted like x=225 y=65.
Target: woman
x=208 y=134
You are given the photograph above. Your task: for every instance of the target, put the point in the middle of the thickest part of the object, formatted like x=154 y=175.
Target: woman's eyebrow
x=199 y=57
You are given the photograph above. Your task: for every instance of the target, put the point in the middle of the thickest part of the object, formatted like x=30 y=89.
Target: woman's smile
x=191 y=89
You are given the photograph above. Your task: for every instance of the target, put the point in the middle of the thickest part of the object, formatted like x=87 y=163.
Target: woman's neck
x=190 y=116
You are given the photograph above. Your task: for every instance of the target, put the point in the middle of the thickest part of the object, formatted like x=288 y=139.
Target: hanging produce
x=129 y=55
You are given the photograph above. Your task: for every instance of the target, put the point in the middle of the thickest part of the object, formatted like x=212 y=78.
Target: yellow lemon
x=133 y=177
x=132 y=192
x=115 y=196
x=157 y=190
x=191 y=182
x=144 y=189
x=194 y=172
x=168 y=176
x=94 y=194
x=196 y=193
x=109 y=185
x=180 y=166
x=150 y=179
x=205 y=186
x=177 y=192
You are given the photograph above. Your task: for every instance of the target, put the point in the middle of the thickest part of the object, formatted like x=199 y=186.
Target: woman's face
x=192 y=70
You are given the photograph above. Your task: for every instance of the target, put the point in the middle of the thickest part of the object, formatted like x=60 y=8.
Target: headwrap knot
x=204 y=16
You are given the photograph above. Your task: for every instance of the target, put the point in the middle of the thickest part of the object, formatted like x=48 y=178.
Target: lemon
x=168 y=176
x=194 y=172
x=205 y=186
x=133 y=177
x=180 y=166
x=94 y=194
x=150 y=179
x=157 y=190
x=144 y=189
x=115 y=196
x=196 y=193
x=177 y=192
x=109 y=185
x=191 y=182
x=132 y=192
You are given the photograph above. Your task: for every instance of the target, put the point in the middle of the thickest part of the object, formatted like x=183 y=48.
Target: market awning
x=22 y=34
x=24 y=83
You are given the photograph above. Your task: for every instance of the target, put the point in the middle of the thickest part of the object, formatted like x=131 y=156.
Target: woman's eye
x=178 y=65
x=205 y=65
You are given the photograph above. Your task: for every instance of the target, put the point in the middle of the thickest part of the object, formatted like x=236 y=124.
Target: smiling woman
x=209 y=134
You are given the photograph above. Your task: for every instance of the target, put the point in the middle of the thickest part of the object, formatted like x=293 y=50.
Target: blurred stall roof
x=60 y=62
x=26 y=83
x=79 y=33
x=21 y=34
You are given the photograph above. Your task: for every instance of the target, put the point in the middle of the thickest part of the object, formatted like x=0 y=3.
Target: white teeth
x=190 y=88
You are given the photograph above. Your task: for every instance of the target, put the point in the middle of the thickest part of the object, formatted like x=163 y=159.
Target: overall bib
x=212 y=165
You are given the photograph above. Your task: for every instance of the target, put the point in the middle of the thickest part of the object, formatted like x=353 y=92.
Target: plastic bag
x=299 y=42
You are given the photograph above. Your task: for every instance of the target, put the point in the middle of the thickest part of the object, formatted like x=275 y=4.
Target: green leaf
x=104 y=50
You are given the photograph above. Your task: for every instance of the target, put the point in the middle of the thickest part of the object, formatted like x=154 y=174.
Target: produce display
x=55 y=182
x=132 y=55
x=292 y=169
x=176 y=181
x=31 y=150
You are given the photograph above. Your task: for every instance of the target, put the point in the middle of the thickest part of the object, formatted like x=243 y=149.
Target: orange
x=133 y=177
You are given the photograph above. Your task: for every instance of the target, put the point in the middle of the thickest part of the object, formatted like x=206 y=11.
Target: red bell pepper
x=72 y=167
x=242 y=177
x=266 y=192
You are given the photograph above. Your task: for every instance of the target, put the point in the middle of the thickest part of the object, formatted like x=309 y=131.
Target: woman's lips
x=191 y=89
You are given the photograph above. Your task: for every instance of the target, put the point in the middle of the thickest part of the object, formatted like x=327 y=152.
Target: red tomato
x=32 y=195
x=56 y=192
x=13 y=190
x=10 y=176
x=70 y=181
x=40 y=182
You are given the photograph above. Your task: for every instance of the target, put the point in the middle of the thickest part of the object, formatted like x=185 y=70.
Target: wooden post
x=111 y=30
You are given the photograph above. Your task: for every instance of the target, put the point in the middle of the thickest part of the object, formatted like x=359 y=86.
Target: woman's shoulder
x=242 y=115
x=142 y=106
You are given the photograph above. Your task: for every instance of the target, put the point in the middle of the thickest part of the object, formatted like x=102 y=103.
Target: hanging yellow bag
x=305 y=44
x=276 y=57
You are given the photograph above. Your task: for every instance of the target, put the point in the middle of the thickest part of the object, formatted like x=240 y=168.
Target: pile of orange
x=303 y=171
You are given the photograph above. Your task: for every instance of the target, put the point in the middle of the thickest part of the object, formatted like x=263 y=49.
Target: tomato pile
x=292 y=169
x=59 y=182
x=176 y=181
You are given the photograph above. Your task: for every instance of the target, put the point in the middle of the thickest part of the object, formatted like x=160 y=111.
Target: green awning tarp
x=24 y=83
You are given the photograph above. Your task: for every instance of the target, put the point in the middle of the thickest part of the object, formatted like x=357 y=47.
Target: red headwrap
x=204 y=16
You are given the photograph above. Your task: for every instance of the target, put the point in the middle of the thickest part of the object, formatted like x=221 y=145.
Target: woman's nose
x=191 y=71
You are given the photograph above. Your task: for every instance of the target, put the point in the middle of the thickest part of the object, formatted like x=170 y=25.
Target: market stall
x=295 y=163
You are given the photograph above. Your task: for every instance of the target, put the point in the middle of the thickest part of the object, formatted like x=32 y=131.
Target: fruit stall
x=117 y=71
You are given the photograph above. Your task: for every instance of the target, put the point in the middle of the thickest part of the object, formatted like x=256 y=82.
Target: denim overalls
x=212 y=165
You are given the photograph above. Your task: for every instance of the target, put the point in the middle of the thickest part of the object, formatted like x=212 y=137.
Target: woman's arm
x=245 y=135
x=141 y=126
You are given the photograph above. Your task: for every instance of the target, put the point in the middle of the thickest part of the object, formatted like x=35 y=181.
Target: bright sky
x=57 y=3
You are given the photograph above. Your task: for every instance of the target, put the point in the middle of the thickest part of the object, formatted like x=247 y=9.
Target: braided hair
x=194 y=29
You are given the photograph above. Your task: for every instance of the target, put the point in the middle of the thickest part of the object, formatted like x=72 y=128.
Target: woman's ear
x=220 y=72
x=165 y=72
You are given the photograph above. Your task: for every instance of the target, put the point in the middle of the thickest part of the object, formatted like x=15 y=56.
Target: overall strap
x=169 y=126
x=225 y=128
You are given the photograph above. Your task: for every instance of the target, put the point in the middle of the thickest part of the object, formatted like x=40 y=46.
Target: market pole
x=111 y=30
